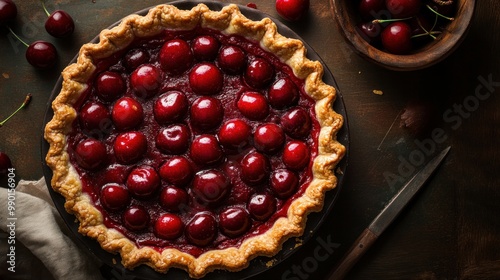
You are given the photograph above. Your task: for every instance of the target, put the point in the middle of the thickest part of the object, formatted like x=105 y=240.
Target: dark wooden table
x=450 y=231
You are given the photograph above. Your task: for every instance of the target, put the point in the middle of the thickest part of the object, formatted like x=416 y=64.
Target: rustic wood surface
x=452 y=228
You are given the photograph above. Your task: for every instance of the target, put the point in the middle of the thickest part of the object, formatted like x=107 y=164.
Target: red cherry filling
x=145 y=80
x=206 y=79
x=110 y=86
x=143 y=181
x=91 y=154
x=283 y=93
x=296 y=155
x=168 y=226
x=296 y=123
x=262 y=206
x=177 y=171
x=206 y=113
x=94 y=116
x=201 y=229
x=235 y=134
x=135 y=57
x=205 y=150
x=174 y=199
x=268 y=138
x=234 y=221
x=175 y=56
x=253 y=105
x=173 y=139
x=136 y=218
x=232 y=59
x=114 y=196
x=130 y=146
x=210 y=186
x=259 y=73
x=170 y=107
x=284 y=182
x=255 y=168
x=127 y=113
x=205 y=48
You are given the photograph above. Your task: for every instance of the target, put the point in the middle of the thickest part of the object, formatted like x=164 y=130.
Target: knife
x=386 y=216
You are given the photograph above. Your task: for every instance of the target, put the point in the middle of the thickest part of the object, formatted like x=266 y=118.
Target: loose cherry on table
x=8 y=12
x=292 y=10
x=59 y=23
x=5 y=164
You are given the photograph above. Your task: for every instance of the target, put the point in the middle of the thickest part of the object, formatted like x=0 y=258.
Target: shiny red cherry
x=175 y=56
x=284 y=183
x=114 y=196
x=283 y=93
x=177 y=171
x=168 y=226
x=91 y=154
x=41 y=54
x=232 y=59
x=60 y=24
x=234 y=221
x=396 y=38
x=8 y=12
x=268 y=138
x=262 y=206
x=174 y=139
x=136 y=218
x=206 y=79
x=94 y=116
x=206 y=150
x=145 y=81
x=110 y=86
x=174 y=199
x=253 y=105
x=143 y=181
x=201 y=230
x=205 y=48
x=206 y=113
x=170 y=107
x=130 y=146
x=127 y=113
x=210 y=186
x=370 y=32
x=292 y=10
x=235 y=134
x=135 y=58
x=255 y=168
x=259 y=73
x=296 y=155
x=296 y=122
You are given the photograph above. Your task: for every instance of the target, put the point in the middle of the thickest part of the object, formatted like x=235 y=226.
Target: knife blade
x=386 y=216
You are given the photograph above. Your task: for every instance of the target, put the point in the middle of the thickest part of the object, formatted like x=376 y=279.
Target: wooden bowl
x=347 y=17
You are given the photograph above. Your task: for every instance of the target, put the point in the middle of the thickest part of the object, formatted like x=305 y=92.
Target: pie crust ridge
x=229 y=20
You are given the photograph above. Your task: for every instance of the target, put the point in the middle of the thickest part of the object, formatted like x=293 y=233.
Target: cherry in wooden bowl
x=419 y=56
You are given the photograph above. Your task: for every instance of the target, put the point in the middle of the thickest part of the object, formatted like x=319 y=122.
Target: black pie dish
x=258 y=266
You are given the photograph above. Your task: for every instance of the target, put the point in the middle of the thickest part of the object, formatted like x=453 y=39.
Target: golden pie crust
x=229 y=20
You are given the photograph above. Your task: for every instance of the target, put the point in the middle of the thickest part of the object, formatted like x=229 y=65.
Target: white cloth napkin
x=43 y=248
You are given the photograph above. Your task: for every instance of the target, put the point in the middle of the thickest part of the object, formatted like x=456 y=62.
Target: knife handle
x=364 y=241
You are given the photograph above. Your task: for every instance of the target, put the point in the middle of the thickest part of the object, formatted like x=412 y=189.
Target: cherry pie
x=195 y=139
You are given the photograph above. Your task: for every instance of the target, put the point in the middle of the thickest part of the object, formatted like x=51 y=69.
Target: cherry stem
x=25 y=103
x=44 y=8
x=436 y=12
x=389 y=20
x=18 y=38
x=427 y=32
